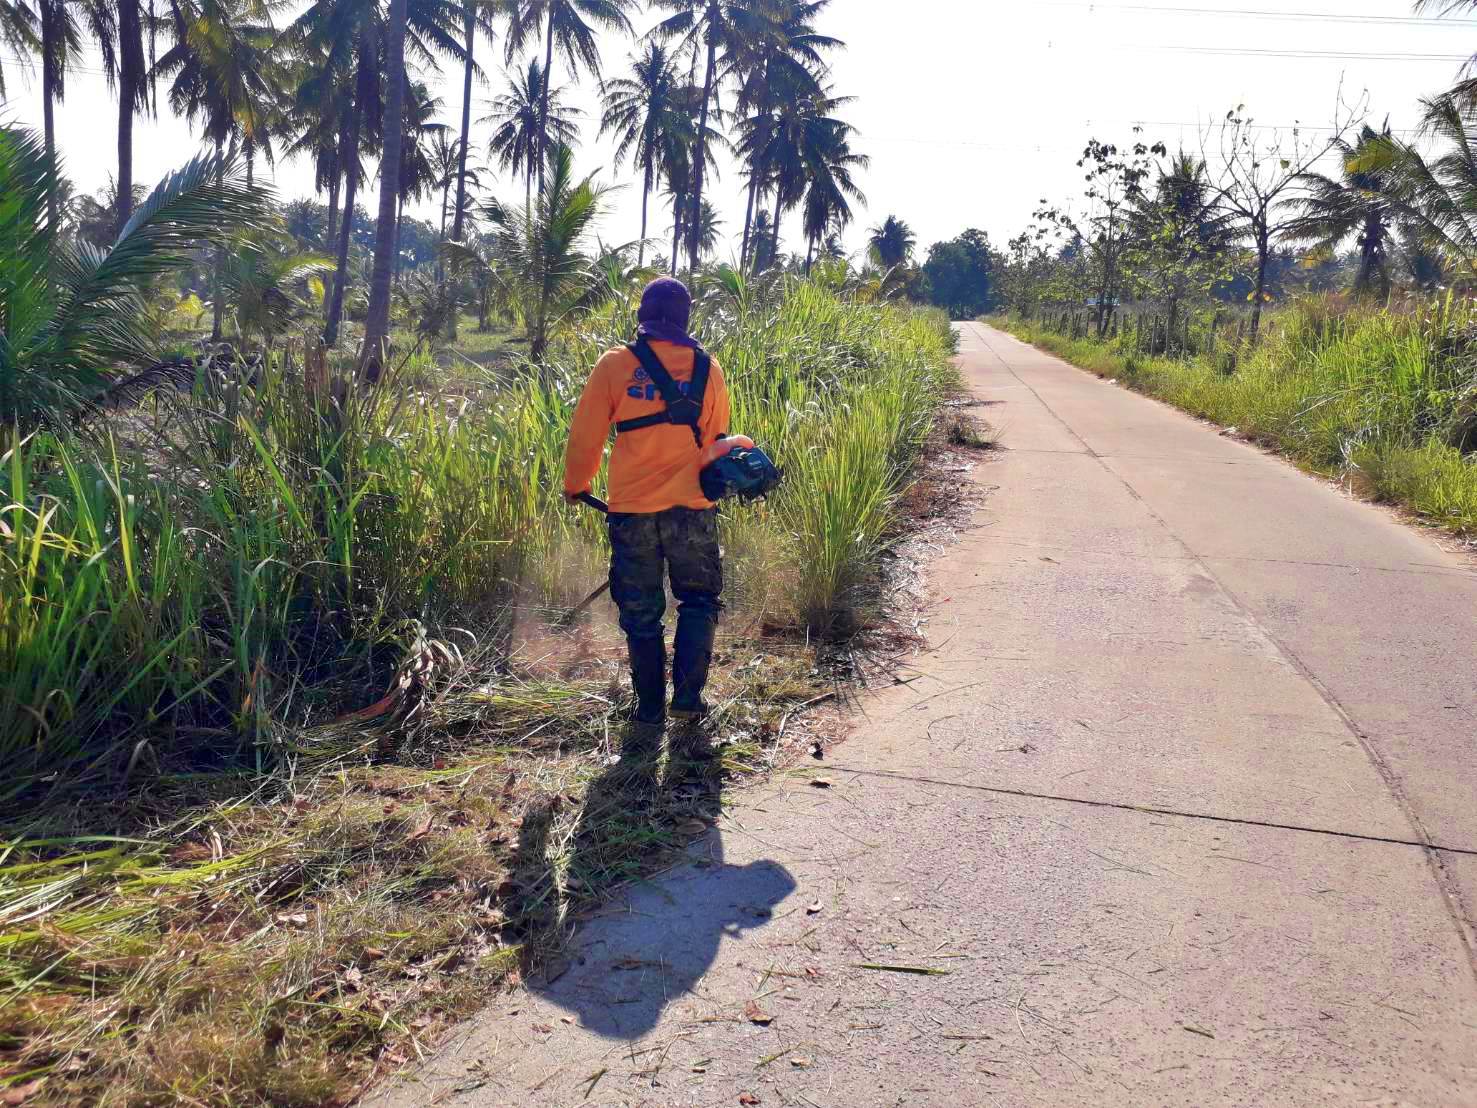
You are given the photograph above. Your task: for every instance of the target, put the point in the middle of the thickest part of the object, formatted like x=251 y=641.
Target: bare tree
x=1115 y=181
x=1260 y=167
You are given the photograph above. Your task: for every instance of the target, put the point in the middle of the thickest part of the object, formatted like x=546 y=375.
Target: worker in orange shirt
x=659 y=519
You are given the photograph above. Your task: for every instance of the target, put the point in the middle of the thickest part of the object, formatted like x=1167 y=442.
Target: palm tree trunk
x=341 y=274
x=399 y=229
x=130 y=80
x=440 y=268
x=469 y=18
x=700 y=150
x=377 y=322
x=218 y=294
x=774 y=231
x=809 y=253
x=748 y=223
x=645 y=194
x=676 y=233
x=543 y=101
x=48 y=108
x=332 y=233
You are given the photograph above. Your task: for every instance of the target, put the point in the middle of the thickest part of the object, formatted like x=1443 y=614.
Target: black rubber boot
x=692 y=654
x=649 y=680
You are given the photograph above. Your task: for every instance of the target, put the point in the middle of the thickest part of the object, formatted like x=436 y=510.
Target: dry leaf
x=692 y=827
x=749 y=1098
x=297 y=919
x=421 y=830
x=814 y=907
x=19 y=1094
x=189 y=852
x=817 y=751
x=799 y=1063
x=755 y=1014
x=543 y=1029
x=373 y=954
x=820 y=782
x=353 y=976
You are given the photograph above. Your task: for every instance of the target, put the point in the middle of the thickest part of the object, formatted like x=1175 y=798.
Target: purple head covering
x=666 y=306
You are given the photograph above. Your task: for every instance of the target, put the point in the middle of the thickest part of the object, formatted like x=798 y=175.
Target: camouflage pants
x=684 y=543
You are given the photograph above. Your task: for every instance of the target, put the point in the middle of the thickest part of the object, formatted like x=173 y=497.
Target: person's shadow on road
x=653 y=943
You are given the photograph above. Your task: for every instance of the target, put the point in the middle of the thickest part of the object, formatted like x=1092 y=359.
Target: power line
x=1213 y=123
x=1255 y=52
x=1322 y=17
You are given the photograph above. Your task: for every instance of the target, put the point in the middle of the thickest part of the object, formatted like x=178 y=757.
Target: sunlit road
x=1181 y=809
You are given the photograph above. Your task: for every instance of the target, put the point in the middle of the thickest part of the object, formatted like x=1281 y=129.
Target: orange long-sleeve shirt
x=655 y=468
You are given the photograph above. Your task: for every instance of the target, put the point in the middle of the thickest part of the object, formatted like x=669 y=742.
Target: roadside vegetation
x=1381 y=398
x=1312 y=289
x=302 y=755
x=200 y=605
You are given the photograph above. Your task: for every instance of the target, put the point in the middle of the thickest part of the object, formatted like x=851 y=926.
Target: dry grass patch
x=284 y=946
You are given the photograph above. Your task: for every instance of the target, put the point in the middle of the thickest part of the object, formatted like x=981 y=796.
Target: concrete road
x=1182 y=809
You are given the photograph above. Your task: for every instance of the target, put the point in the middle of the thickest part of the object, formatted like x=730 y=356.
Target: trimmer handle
x=595 y=502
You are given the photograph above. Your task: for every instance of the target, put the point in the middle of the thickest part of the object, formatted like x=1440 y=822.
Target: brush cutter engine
x=738 y=469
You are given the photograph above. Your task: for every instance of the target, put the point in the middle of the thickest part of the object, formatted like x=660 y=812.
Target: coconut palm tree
x=266 y=286
x=225 y=71
x=891 y=243
x=418 y=173
x=677 y=168
x=1464 y=92
x=761 y=245
x=476 y=259
x=225 y=77
x=1434 y=200
x=805 y=140
x=73 y=320
x=477 y=16
x=387 y=226
x=526 y=118
x=62 y=26
x=19 y=32
x=785 y=61
x=716 y=27
x=358 y=44
x=1354 y=205
x=126 y=68
x=645 y=112
x=541 y=247
x=830 y=165
x=314 y=131
x=708 y=230
x=449 y=166
x=569 y=25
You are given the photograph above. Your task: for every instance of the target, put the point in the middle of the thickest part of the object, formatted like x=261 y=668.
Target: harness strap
x=685 y=409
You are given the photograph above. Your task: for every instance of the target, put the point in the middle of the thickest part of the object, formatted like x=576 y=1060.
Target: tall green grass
x=1387 y=396
x=192 y=589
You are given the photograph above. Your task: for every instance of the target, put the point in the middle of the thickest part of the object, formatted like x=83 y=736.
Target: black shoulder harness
x=683 y=409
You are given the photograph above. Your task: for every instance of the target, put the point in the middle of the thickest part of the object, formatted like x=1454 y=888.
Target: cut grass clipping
x=223 y=880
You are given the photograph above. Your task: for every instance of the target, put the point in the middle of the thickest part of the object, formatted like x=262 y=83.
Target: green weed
x=1381 y=393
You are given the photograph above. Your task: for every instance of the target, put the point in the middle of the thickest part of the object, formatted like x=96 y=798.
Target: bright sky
x=971 y=110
